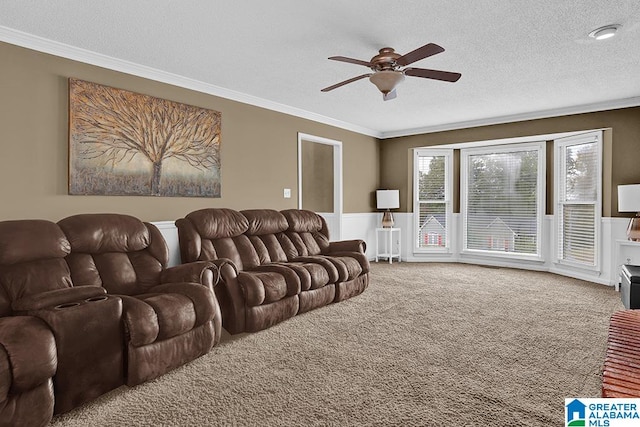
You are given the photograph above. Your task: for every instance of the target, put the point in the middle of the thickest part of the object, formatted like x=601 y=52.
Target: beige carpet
x=426 y=344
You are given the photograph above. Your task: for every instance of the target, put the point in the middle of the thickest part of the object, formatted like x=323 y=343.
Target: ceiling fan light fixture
x=605 y=32
x=388 y=69
x=386 y=80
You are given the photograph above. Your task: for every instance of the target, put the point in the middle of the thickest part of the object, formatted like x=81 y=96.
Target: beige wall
x=259 y=147
x=621 y=150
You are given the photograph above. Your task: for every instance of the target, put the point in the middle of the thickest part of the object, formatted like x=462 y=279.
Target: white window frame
x=465 y=153
x=448 y=189
x=560 y=146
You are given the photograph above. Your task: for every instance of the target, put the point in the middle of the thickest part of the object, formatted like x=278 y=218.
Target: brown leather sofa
x=170 y=316
x=36 y=295
x=87 y=305
x=273 y=265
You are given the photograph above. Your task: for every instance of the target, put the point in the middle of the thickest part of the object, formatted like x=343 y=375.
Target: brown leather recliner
x=36 y=339
x=171 y=315
x=252 y=296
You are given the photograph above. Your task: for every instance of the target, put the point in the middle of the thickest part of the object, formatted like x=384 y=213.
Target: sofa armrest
x=359 y=256
x=28 y=354
x=356 y=245
x=230 y=296
x=56 y=297
x=204 y=272
x=226 y=267
x=140 y=320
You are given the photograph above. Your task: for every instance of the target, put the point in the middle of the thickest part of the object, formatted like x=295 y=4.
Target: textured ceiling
x=518 y=58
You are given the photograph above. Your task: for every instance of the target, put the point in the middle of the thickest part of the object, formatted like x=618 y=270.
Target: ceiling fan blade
x=425 y=51
x=351 y=60
x=351 y=80
x=445 y=76
x=390 y=95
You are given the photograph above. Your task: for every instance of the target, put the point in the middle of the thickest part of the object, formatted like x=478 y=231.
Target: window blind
x=503 y=206
x=432 y=202
x=578 y=201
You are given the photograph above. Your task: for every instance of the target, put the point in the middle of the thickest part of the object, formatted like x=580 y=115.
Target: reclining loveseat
x=273 y=265
x=87 y=305
x=170 y=315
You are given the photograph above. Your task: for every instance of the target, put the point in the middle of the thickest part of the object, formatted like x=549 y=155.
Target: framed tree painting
x=125 y=143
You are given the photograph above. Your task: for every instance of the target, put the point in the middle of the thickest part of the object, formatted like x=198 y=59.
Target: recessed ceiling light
x=605 y=32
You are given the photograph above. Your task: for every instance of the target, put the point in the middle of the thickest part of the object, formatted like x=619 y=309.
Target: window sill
x=501 y=255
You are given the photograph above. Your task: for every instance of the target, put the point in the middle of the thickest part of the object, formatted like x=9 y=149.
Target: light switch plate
x=287 y=193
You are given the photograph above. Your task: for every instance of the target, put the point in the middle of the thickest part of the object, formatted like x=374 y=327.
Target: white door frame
x=337 y=177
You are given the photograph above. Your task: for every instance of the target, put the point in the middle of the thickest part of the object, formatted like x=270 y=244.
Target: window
x=432 y=201
x=502 y=199
x=578 y=194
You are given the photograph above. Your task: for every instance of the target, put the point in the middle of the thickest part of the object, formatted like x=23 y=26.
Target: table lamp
x=629 y=201
x=387 y=199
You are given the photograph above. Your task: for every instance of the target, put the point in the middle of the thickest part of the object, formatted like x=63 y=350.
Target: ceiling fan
x=388 y=71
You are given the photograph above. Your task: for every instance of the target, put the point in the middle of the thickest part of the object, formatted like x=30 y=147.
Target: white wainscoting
x=170 y=233
x=354 y=226
x=363 y=226
x=612 y=229
x=333 y=224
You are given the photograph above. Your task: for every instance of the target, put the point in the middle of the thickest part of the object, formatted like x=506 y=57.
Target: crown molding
x=41 y=44
x=534 y=115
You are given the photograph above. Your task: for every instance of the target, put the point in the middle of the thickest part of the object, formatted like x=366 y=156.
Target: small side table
x=387 y=238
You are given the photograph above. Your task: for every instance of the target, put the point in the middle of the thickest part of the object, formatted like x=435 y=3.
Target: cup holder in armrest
x=98 y=298
x=67 y=305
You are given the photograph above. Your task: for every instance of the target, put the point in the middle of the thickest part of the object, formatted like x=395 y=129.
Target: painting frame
x=124 y=143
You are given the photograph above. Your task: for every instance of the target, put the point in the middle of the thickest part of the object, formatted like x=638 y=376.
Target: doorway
x=320 y=179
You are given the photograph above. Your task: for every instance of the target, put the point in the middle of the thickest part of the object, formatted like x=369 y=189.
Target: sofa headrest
x=30 y=240
x=303 y=221
x=265 y=221
x=218 y=223
x=100 y=233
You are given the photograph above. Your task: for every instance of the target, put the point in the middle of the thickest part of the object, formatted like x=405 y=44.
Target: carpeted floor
x=425 y=345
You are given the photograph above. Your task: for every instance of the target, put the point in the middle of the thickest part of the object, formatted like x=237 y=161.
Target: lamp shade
x=388 y=199
x=386 y=81
x=629 y=198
